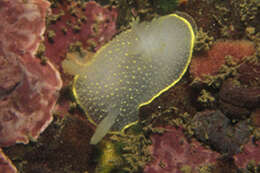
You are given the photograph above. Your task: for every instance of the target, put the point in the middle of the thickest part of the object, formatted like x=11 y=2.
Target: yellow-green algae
x=132 y=70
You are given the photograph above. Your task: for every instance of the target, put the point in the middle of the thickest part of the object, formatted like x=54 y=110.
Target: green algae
x=127 y=153
x=53 y=18
x=206 y=98
x=253 y=167
x=226 y=70
x=108 y=158
x=166 y=6
x=50 y=35
x=208 y=168
x=40 y=51
x=186 y=169
x=40 y=54
x=247 y=10
x=203 y=41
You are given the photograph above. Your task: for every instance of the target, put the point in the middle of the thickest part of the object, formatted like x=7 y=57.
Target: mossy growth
x=256 y=134
x=206 y=99
x=253 y=167
x=166 y=6
x=50 y=35
x=124 y=153
x=247 y=9
x=131 y=148
x=129 y=151
x=108 y=157
x=203 y=41
x=77 y=51
x=186 y=169
x=208 y=168
x=77 y=46
x=53 y=18
x=40 y=51
x=227 y=70
x=40 y=54
x=125 y=10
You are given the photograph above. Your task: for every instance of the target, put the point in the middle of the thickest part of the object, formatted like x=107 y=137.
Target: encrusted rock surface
x=173 y=153
x=236 y=100
x=28 y=89
x=5 y=164
x=211 y=62
x=215 y=129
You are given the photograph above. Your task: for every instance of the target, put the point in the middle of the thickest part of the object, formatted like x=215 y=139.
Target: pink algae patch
x=28 y=89
x=171 y=152
x=97 y=26
x=250 y=152
x=211 y=63
x=5 y=164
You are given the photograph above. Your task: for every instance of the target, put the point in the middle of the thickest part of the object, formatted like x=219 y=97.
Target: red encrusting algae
x=89 y=24
x=173 y=153
x=5 y=164
x=250 y=152
x=27 y=104
x=211 y=62
x=29 y=93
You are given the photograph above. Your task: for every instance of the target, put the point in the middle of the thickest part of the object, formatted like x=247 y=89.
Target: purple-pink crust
x=5 y=164
x=95 y=25
x=250 y=152
x=28 y=90
x=172 y=153
x=211 y=62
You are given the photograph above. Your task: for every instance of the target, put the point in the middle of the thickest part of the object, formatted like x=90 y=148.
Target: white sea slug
x=131 y=70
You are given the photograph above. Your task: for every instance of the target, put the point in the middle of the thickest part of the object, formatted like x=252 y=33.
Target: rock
x=212 y=127
x=255 y=117
x=236 y=100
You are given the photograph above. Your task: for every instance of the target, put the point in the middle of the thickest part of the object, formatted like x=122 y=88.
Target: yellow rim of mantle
x=155 y=96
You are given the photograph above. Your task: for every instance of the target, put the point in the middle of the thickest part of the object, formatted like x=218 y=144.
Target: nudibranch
x=132 y=70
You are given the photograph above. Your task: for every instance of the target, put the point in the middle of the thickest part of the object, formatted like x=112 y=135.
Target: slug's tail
x=103 y=127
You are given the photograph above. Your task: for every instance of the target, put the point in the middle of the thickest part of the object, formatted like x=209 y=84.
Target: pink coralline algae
x=211 y=63
x=28 y=89
x=172 y=153
x=250 y=152
x=5 y=164
x=89 y=23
